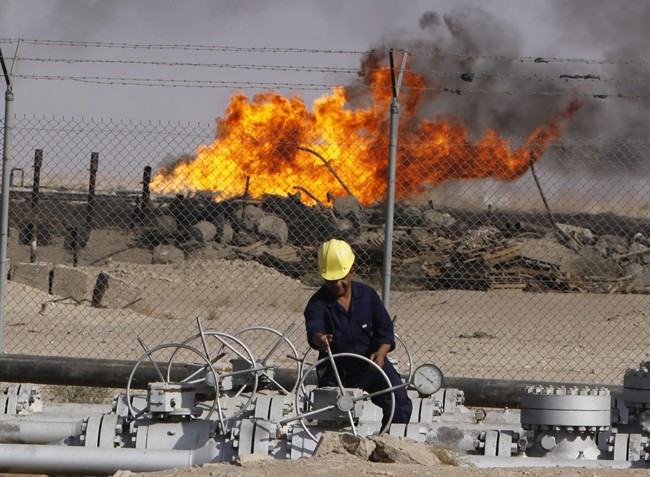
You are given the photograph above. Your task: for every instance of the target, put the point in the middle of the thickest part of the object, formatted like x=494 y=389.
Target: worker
x=347 y=316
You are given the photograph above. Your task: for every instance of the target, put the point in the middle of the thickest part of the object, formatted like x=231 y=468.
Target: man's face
x=339 y=288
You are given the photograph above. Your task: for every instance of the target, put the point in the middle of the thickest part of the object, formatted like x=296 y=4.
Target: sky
x=588 y=29
x=594 y=51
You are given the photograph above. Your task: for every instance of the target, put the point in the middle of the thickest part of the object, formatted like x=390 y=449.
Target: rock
x=167 y=254
x=166 y=225
x=579 y=234
x=244 y=459
x=333 y=443
x=410 y=216
x=225 y=234
x=640 y=273
x=243 y=238
x=273 y=228
x=402 y=451
x=249 y=217
x=123 y=473
x=112 y=292
x=347 y=207
x=434 y=218
x=611 y=245
x=203 y=231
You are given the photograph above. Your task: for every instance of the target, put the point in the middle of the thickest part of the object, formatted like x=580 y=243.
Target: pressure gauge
x=427 y=379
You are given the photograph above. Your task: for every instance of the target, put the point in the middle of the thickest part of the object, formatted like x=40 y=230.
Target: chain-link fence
x=514 y=259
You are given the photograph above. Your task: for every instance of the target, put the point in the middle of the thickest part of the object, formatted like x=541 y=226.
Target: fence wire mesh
x=507 y=255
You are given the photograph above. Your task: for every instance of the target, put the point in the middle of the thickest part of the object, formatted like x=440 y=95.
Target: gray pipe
x=52 y=460
x=38 y=432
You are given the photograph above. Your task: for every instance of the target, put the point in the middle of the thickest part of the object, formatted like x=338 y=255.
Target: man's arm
x=378 y=356
x=322 y=340
x=384 y=333
x=316 y=326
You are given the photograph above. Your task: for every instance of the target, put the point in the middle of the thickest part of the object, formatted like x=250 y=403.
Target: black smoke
x=475 y=65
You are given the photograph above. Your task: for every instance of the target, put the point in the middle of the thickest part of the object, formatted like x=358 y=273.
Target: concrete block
x=111 y=292
x=35 y=275
x=72 y=282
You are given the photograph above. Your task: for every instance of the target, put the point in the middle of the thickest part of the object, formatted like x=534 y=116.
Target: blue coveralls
x=361 y=330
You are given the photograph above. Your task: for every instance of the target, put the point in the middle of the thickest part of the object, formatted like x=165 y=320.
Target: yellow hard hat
x=335 y=259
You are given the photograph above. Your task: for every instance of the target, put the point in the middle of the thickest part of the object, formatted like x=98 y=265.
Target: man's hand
x=378 y=356
x=322 y=340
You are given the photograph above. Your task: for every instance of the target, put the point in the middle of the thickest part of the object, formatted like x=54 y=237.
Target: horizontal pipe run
x=479 y=392
x=17 y=368
x=41 y=432
x=53 y=460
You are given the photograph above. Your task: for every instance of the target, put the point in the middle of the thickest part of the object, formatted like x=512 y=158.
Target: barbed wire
x=327 y=69
x=124 y=81
x=187 y=47
x=43 y=123
x=433 y=52
x=262 y=67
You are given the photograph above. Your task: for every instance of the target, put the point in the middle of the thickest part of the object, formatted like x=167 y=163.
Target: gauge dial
x=427 y=379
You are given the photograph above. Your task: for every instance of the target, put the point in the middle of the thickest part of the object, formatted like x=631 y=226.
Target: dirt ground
x=499 y=334
x=180 y=292
x=338 y=465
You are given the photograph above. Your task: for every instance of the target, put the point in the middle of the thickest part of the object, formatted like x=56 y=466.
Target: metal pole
x=90 y=207
x=4 y=201
x=390 y=193
x=146 y=188
x=36 y=187
x=4 y=208
x=390 y=204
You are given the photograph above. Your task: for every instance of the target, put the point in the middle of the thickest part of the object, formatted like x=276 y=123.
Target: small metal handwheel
x=344 y=403
x=273 y=344
x=228 y=346
x=206 y=377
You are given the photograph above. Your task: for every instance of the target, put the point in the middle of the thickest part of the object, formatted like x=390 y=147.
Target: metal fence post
x=6 y=168
x=90 y=207
x=390 y=192
x=36 y=187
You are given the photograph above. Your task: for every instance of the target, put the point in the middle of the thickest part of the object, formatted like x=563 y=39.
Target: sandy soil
x=500 y=334
x=484 y=334
x=338 y=465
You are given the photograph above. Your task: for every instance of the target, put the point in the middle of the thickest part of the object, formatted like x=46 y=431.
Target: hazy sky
x=563 y=28
x=583 y=29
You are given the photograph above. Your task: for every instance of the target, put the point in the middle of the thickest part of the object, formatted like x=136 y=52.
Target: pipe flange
x=636 y=388
x=579 y=409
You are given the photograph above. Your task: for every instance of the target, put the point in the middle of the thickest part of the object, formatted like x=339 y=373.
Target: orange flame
x=272 y=145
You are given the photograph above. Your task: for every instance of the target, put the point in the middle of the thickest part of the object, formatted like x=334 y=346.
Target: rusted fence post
x=33 y=203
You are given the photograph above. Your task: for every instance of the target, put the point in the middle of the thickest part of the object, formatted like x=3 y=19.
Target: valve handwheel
x=275 y=344
x=344 y=403
x=166 y=377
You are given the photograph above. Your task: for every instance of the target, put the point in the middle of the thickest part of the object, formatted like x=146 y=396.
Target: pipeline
x=28 y=431
x=36 y=459
x=198 y=413
x=479 y=392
